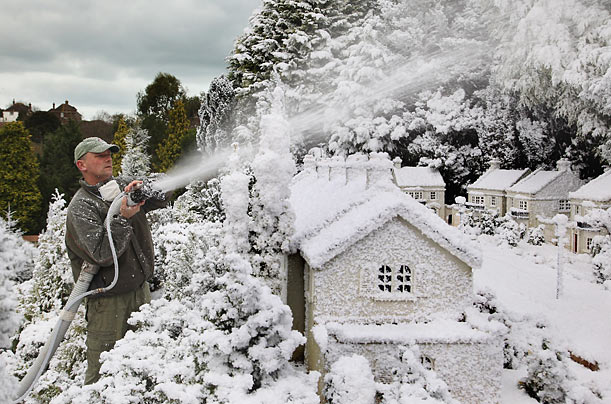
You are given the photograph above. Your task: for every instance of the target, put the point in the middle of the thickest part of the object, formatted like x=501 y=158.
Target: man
x=86 y=239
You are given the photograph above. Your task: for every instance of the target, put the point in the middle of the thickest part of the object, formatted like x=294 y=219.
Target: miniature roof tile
x=418 y=177
x=333 y=214
x=535 y=181
x=498 y=179
x=599 y=189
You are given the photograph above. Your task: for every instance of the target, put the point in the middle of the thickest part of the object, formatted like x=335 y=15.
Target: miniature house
x=374 y=270
x=542 y=193
x=424 y=184
x=596 y=194
x=489 y=191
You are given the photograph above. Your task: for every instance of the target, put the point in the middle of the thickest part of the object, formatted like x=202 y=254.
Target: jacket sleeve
x=86 y=233
x=154 y=203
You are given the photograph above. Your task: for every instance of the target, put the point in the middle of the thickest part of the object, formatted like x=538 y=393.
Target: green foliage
x=119 y=140
x=57 y=167
x=40 y=124
x=19 y=176
x=170 y=149
x=154 y=105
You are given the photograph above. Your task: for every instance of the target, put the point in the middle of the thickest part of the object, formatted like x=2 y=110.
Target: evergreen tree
x=19 y=175
x=119 y=139
x=169 y=149
x=11 y=261
x=136 y=161
x=215 y=115
x=40 y=124
x=58 y=171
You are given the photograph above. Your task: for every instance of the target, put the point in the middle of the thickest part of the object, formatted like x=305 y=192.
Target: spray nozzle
x=143 y=191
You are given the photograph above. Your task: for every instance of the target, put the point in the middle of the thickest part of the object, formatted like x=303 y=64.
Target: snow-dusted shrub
x=9 y=383
x=536 y=235
x=136 y=162
x=510 y=231
x=547 y=375
x=349 y=381
x=601 y=258
x=415 y=383
x=10 y=259
x=41 y=300
x=489 y=222
x=16 y=254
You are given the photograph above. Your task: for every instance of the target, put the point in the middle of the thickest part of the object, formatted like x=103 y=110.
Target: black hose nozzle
x=142 y=192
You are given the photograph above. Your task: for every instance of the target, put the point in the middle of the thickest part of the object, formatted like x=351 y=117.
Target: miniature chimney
x=397 y=162
x=309 y=164
x=337 y=169
x=322 y=168
x=563 y=165
x=356 y=169
x=379 y=173
x=495 y=164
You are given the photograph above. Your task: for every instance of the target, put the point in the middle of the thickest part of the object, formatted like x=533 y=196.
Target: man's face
x=96 y=167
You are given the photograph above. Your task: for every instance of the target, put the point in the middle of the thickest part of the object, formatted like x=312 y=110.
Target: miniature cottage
x=374 y=271
x=425 y=184
x=596 y=194
x=542 y=193
x=489 y=191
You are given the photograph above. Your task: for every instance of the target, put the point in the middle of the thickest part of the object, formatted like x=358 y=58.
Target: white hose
x=79 y=292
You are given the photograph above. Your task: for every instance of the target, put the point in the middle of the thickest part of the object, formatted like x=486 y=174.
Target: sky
x=99 y=54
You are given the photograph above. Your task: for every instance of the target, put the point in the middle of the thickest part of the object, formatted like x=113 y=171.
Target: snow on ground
x=524 y=280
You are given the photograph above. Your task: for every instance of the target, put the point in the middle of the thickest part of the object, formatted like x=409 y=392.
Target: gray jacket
x=86 y=239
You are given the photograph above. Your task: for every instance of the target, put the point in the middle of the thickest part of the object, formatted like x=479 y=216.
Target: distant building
x=66 y=112
x=489 y=192
x=424 y=184
x=542 y=193
x=596 y=194
x=18 y=109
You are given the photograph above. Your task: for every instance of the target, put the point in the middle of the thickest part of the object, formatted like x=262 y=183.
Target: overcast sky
x=98 y=54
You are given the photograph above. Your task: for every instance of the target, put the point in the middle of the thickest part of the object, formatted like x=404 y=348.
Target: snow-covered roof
x=418 y=177
x=535 y=181
x=438 y=331
x=498 y=179
x=336 y=205
x=599 y=189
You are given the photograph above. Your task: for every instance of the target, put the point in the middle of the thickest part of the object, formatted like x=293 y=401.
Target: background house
x=425 y=184
x=596 y=194
x=489 y=191
x=375 y=270
x=66 y=112
x=542 y=193
x=15 y=111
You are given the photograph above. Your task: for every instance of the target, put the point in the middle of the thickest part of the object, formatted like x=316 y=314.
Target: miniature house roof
x=418 y=177
x=535 y=181
x=339 y=202
x=439 y=330
x=498 y=179
x=599 y=189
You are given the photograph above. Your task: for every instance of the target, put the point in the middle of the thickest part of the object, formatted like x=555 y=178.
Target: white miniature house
x=542 y=193
x=489 y=191
x=425 y=184
x=596 y=194
x=375 y=270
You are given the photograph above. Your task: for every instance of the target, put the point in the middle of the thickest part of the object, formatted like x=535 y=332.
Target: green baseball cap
x=93 y=145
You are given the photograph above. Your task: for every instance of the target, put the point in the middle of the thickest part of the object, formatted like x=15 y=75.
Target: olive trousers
x=107 y=323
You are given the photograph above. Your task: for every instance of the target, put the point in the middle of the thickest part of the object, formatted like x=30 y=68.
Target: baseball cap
x=93 y=145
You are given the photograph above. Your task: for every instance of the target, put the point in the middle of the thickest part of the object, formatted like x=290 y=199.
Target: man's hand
x=129 y=211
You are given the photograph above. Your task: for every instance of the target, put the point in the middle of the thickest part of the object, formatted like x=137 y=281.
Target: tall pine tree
x=170 y=149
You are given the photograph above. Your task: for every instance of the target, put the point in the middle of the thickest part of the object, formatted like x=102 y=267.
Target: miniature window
x=589 y=243
x=416 y=194
x=404 y=279
x=493 y=201
x=427 y=362
x=564 y=205
x=433 y=195
x=478 y=199
x=523 y=205
x=385 y=278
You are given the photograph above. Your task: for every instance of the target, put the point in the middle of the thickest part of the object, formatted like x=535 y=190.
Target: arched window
x=385 y=278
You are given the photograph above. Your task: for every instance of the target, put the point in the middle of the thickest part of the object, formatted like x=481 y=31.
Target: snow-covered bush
x=547 y=375
x=415 y=383
x=136 y=162
x=41 y=300
x=349 y=381
x=510 y=231
x=16 y=254
x=489 y=222
x=536 y=235
x=601 y=258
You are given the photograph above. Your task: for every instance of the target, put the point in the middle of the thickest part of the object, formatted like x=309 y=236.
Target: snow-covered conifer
x=11 y=259
x=214 y=131
x=536 y=235
x=272 y=217
x=136 y=161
